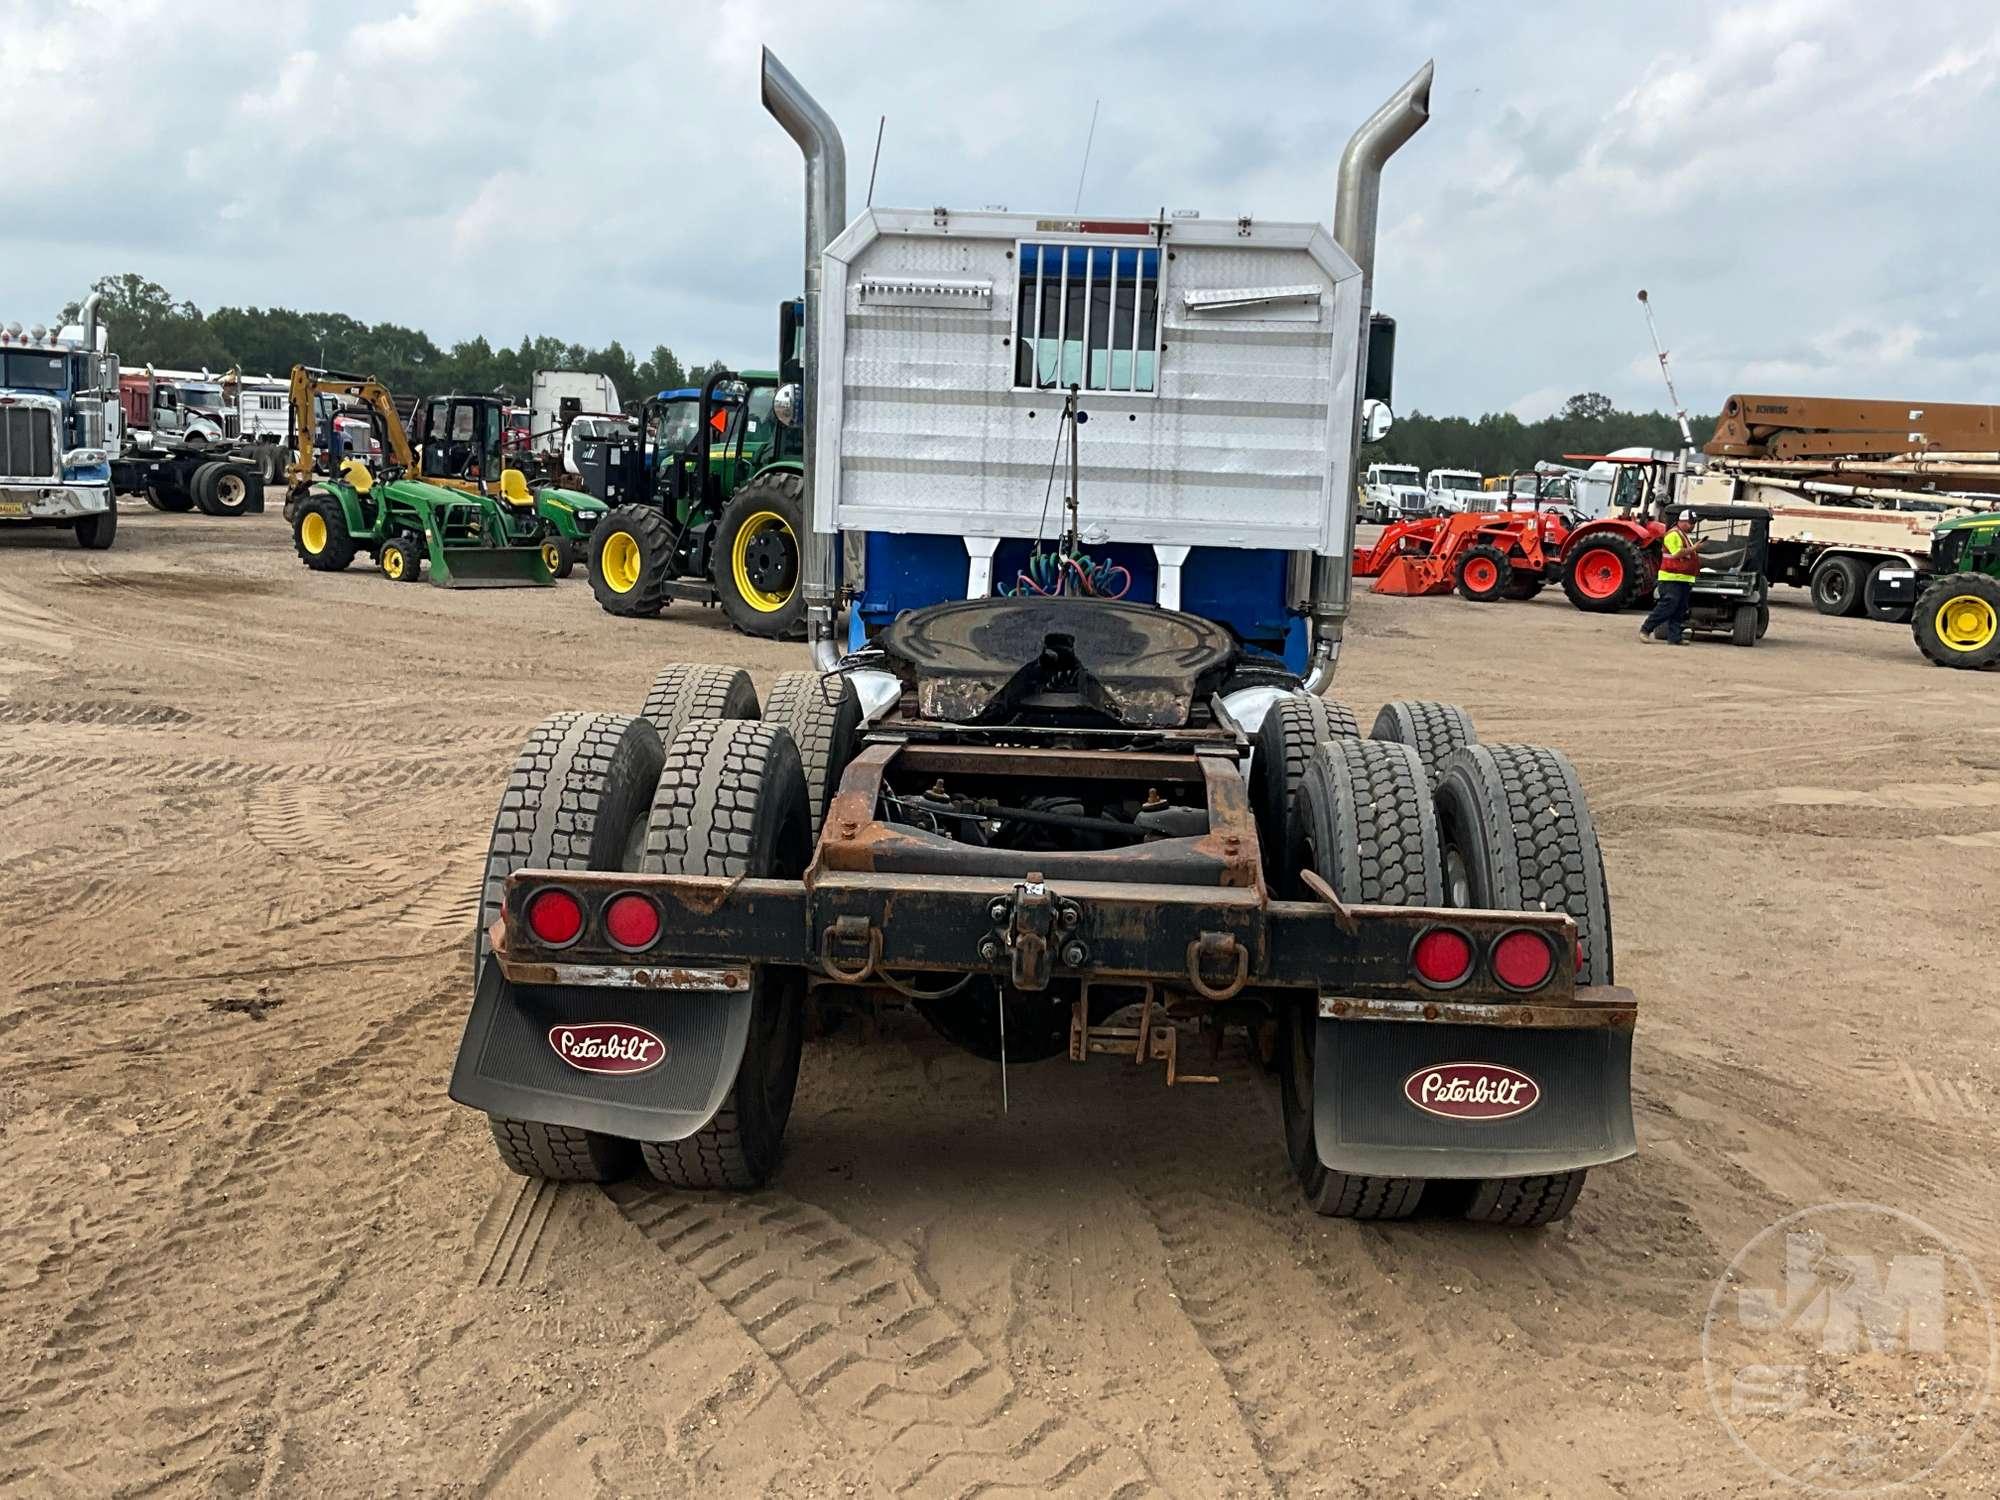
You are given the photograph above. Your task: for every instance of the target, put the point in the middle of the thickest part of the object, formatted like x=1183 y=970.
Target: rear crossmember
x=1210 y=943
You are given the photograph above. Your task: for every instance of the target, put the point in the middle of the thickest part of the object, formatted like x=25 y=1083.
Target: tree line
x=150 y=326
x=1500 y=442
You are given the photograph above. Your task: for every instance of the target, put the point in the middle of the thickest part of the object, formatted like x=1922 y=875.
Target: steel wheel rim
x=1480 y=574
x=312 y=532
x=752 y=562
x=621 y=562
x=551 y=556
x=392 y=561
x=1599 y=572
x=1966 y=622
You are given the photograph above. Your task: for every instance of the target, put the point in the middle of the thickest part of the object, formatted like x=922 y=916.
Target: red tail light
x=1523 y=961
x=632 y=921
x=1442 y=957
x=555 y=918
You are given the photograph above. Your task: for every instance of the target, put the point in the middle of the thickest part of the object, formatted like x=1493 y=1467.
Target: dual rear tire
x=696 y=784
x=1424 y=815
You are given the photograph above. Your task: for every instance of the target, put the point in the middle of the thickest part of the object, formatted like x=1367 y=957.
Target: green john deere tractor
x=448 y=503
x=1957 y=618
x=708 y=501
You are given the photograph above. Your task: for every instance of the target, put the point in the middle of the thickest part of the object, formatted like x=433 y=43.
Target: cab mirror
x=785 y=405
x=1376 y=420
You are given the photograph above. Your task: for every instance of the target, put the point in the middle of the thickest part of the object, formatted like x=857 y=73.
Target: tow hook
x=1030 y=927
x=1217 y=966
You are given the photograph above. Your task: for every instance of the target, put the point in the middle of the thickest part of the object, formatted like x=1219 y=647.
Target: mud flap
x=508 y=1064
x=1368 y=1077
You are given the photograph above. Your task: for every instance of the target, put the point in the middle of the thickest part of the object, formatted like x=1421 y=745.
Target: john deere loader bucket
x=462 y=554
x=489 y=567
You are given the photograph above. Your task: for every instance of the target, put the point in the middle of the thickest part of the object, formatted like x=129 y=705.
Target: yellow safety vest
x=1673 y=544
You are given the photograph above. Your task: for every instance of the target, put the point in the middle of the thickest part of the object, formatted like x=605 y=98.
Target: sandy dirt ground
x=249 y=1247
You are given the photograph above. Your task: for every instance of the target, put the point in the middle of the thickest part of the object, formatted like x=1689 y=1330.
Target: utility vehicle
x=1072 y=785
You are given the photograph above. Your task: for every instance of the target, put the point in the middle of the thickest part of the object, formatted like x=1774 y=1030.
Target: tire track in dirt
x=866 y=1347
x=95 y=715
x=507 y=1244
x=297 y=822
x=1305 y=1384
x=32 y=641
x=223 y=1398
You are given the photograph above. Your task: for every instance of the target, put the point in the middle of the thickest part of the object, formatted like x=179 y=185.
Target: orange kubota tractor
x=1483 y=554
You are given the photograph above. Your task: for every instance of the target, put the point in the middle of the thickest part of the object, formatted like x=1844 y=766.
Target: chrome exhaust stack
x=826 y=215
x=1356 y=203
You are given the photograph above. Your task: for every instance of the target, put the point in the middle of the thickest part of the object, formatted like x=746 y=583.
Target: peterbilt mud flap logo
x=608 y=1047
x=1472 y=1091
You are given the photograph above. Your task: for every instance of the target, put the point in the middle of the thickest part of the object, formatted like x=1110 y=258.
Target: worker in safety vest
x=1680 y=565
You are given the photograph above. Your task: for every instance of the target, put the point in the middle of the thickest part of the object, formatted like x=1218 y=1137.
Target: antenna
x=1687 y=437
x=880 y=126
x=1092 y=136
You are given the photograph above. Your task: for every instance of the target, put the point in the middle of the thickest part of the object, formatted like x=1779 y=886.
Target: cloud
x=1795 y=182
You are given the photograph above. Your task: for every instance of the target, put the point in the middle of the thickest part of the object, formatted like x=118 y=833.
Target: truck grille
x=27 y=443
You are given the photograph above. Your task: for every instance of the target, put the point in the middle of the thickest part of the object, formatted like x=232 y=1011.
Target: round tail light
x=555 y=918
x=632 y=921
x=1523 y=961
x=1442 y=957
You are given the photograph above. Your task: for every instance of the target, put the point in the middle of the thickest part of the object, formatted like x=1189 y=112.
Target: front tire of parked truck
x=757 y=557
x=1838 y=587
x=731 y=802
x=95 y=533
x=1363 y=822
x=576 y=799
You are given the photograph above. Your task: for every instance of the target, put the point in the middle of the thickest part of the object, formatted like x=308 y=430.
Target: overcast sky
x=1805 y=186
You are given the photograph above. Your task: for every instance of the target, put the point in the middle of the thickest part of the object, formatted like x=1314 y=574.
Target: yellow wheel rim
x=621 y=562
x=392 y=561
x=312 y=532
x=759 y=526
x=1966 y=622
x=551 y=555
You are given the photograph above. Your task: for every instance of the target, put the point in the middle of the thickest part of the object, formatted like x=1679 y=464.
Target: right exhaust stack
x=1356 y=202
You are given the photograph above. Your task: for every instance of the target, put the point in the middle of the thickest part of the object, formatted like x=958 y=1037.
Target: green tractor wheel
x=756 y=559
x=1957 y=621
x=320 y=536
x=401 y=558
x=631 y=561
x=559 y=556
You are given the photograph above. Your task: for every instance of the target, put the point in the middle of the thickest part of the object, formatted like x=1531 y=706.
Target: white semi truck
x=1392 y=492
x=58 y=424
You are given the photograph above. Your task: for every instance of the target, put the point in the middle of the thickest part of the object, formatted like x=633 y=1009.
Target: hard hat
x=1687 y=515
